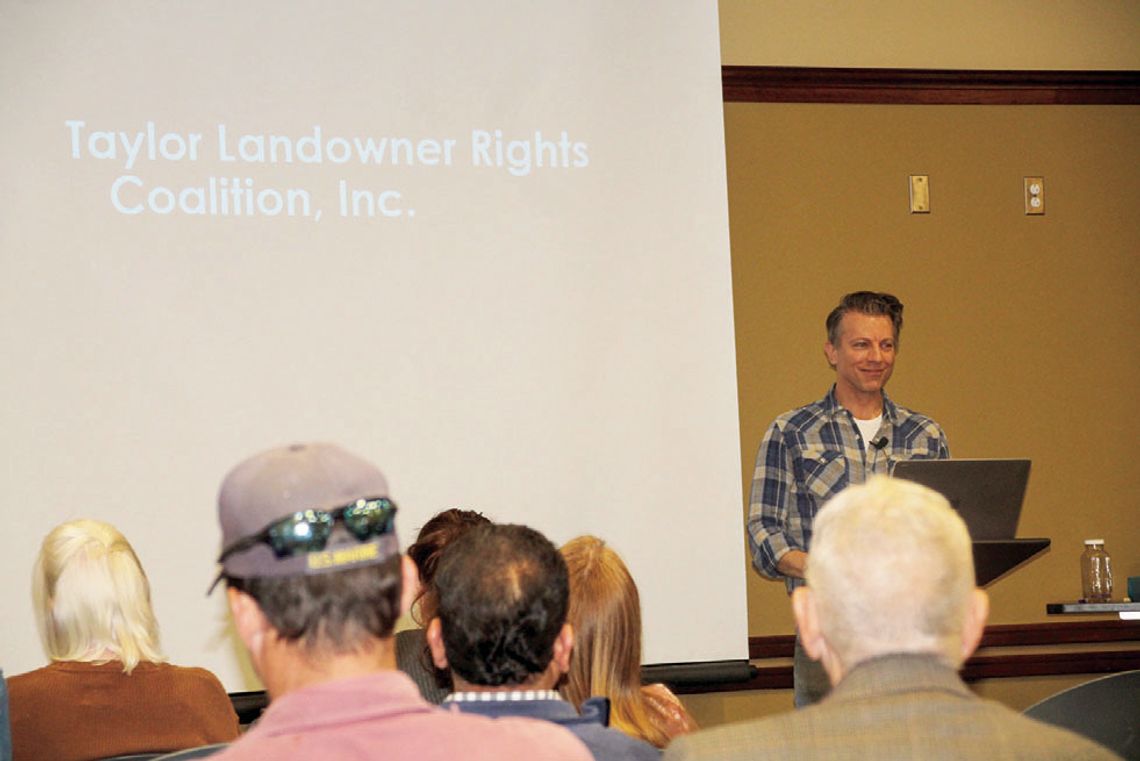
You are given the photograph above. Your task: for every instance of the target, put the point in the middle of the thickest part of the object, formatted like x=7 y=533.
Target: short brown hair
x=865 y=302
x=336 y=611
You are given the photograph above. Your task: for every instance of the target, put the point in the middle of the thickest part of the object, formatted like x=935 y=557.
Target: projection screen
x=484 y=245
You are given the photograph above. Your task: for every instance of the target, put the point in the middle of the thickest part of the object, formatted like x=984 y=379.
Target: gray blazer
x=894 y=707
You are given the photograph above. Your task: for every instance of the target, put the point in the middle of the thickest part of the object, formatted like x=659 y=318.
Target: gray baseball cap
x=282 y=482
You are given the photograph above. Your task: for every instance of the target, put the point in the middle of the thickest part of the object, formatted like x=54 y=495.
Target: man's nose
x=876 y=354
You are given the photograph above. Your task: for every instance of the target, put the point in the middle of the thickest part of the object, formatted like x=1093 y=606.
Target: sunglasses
x=309 y=530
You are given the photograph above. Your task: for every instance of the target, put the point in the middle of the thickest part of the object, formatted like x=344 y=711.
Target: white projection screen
x=484 y=245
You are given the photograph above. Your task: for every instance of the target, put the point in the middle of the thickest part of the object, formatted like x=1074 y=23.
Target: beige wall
x=1021 y=335
x=932 y=34
x=1020 y=332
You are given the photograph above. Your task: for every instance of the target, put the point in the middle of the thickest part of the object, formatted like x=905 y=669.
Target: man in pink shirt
x=315 y=582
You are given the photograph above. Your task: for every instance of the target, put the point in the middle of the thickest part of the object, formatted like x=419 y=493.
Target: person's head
x=92 y=597
x=863 y=340
x=605 y=611
x=310 y=553
x=436 y=535
x=869 y=303
x=890 y=571
x=501 y=620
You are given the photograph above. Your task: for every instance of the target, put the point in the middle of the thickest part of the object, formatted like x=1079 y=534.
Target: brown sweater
x=71 y=711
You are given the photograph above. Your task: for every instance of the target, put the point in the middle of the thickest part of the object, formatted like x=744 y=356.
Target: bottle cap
x=1094 y=541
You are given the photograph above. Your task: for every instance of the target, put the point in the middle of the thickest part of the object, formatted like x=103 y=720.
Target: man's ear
x=975 y=624
x=434 y=636
x=250 y=622
x=563 y=647
x=831 y=354
x=807 y=621
x=409 y=583
x=805 y=608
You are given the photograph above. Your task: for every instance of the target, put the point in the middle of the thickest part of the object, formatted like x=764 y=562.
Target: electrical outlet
x=1035 y=195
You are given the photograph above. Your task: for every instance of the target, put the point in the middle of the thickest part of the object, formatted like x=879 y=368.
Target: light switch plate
x=919 y=194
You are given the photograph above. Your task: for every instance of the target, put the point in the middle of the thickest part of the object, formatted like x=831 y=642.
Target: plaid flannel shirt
x=810 y=454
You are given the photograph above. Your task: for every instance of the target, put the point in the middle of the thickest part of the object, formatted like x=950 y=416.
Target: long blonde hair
x=605 y=611
x=92 y=597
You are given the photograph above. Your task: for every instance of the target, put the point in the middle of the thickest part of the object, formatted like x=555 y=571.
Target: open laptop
x=986 y=493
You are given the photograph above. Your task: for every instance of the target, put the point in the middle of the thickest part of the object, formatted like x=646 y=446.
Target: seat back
x=1106 y=710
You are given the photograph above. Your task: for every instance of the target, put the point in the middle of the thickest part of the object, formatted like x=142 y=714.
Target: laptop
x=986 y=493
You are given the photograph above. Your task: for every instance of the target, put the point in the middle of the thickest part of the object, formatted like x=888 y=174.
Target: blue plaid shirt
x=809 y=455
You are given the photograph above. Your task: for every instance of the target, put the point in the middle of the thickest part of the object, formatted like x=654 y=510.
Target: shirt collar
x=502 y=696
x=832 y=405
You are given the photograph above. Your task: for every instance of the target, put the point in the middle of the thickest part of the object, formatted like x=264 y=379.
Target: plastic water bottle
x=1096 y=572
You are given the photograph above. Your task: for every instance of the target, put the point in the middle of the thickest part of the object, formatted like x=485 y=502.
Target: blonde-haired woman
x=107 y=690
x=605 y=611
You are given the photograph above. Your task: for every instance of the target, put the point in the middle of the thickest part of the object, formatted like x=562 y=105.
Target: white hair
x=892 y=571
x=92 y=597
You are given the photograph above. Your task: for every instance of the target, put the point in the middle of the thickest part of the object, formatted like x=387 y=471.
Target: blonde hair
x=892 y=571
x=605 y=611
x=92 y=597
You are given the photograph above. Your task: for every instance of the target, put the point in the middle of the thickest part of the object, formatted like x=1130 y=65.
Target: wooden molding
x=986 y=665
x=997 y=635
x=779 y=84
x=1067 y=633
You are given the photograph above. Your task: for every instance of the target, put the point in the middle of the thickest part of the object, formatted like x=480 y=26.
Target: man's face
x=865 y=354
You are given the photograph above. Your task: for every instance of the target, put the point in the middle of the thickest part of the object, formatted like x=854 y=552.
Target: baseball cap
x=290 y=482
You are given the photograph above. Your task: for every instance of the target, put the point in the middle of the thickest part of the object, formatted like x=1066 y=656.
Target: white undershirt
x=868 y=429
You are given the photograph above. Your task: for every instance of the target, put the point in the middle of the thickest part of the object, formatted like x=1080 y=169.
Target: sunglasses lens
x=369 y=517
x=300 y=532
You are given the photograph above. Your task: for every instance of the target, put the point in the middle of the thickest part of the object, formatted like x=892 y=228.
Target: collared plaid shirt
x=810 y=454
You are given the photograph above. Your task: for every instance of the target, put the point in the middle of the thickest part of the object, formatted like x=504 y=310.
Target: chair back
x=1106 y=710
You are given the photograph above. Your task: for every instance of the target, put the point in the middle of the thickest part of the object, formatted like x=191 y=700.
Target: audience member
x=412 y=654
x=890 y=610
x=605 y=611
x=501 y=629
x=5 y=732
x=107 y=690
x=315 y=583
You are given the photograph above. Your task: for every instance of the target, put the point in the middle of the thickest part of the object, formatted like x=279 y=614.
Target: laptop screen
x=986 y=493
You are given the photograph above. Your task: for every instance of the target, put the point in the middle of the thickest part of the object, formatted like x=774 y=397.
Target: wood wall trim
x=1060 y=633
x=997 y=635
x=988 y=665
x=781 y=84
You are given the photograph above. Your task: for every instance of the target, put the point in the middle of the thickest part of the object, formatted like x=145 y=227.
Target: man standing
x=810 y=454
x=315 y=583
x=891 y=627
x=501 y=629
